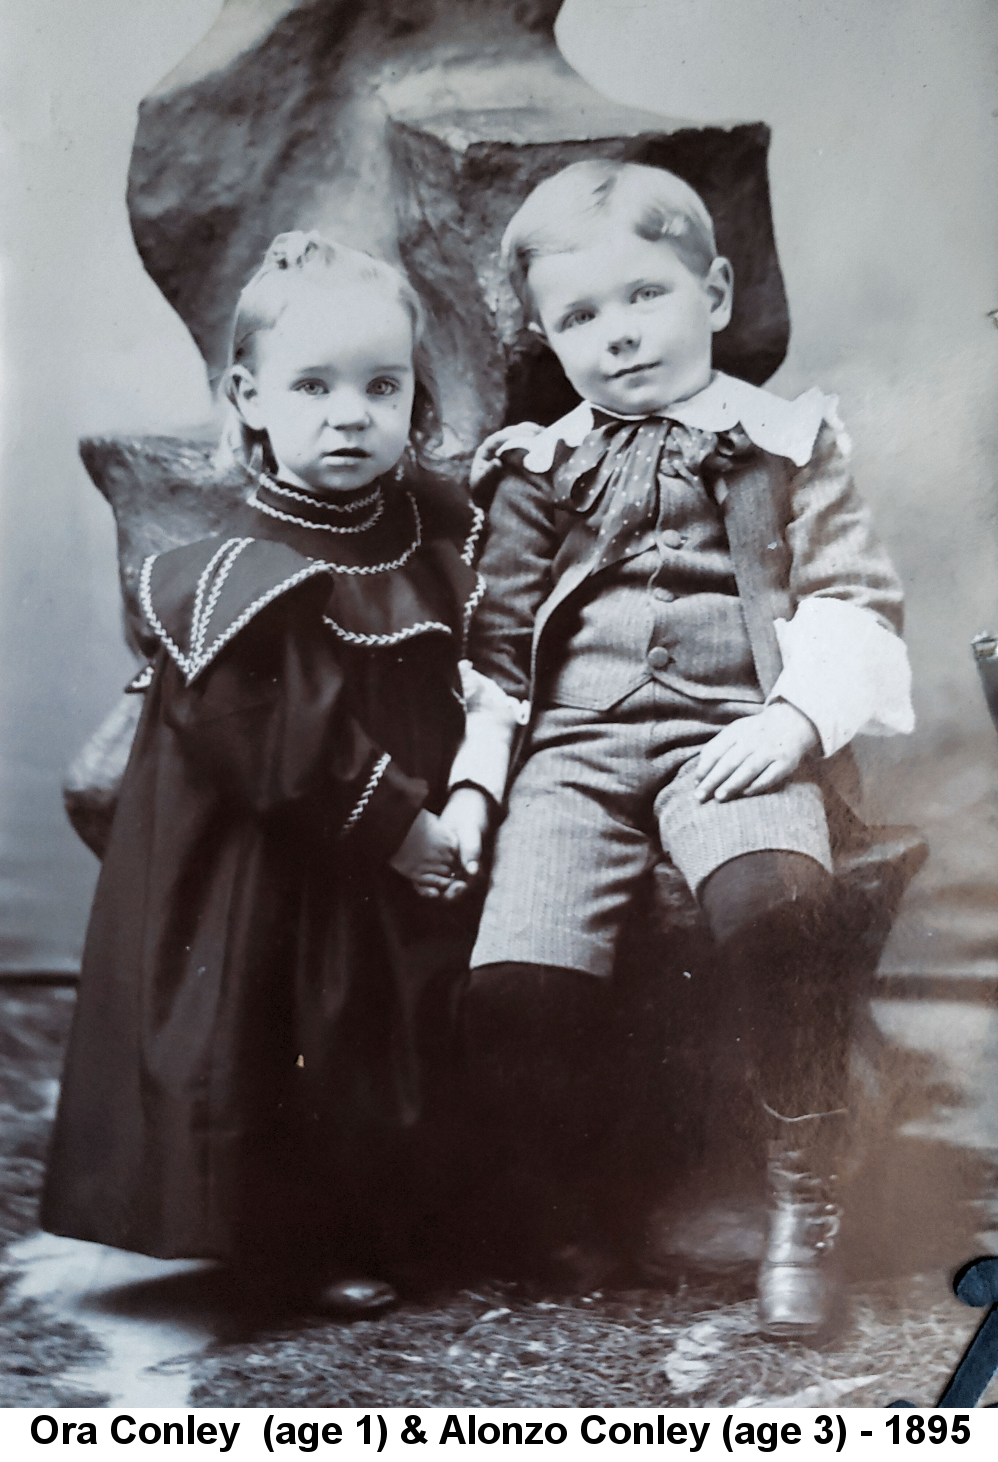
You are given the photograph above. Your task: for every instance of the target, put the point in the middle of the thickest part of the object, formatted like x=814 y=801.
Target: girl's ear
x=720 y=288
x=241 y=390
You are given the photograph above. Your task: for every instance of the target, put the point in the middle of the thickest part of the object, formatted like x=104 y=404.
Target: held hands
x=487 y=458
x=428 y=858
x=466 y=818
x=441 y=856
x=755 y=754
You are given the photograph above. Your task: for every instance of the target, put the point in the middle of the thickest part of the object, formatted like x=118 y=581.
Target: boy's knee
x=754 y=890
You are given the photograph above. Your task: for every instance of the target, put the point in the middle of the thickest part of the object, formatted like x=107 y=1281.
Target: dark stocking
x=531 y=1041
x=785 y=977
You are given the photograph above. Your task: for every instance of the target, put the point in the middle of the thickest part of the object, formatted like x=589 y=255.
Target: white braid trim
x=369 y=522
x=313 y=501
x=427 y=626
x=396 y=563
x=203 y=581
x=471 y=542
x=478 y=593
x=199 y=620
x=193 y=664
x=380 y=767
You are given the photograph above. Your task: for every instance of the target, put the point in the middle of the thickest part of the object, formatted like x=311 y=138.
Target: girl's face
x=332 y=386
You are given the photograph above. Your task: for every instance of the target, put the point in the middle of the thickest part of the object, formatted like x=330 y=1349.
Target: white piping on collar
x=201 y=657
x=784 y=428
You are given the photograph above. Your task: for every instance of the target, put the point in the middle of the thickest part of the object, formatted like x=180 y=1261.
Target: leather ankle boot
x=800 y=1290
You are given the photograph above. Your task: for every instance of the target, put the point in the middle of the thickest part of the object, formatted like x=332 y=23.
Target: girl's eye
x=383 y=386
x=648 y=292
x=311 y=387
x=577 y=317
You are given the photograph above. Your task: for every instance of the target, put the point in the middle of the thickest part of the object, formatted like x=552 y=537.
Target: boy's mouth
x=348 y=454
x=648 y=365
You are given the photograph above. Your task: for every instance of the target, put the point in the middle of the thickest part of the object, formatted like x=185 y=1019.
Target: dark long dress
x=260 y=991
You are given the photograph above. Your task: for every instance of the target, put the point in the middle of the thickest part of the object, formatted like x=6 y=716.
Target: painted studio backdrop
x=882 y=175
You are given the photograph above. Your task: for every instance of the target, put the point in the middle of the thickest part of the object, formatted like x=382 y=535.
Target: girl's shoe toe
x=355 y=1297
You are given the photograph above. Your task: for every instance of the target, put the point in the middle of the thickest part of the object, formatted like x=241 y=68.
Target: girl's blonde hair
x=300 y=258
x=566 y=211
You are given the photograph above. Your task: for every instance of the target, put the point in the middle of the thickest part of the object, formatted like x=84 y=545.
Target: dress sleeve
x=270 y=723
x=845 y=665
x=520 y=545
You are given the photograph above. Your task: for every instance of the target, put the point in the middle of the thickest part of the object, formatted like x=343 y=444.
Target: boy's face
x=332 y=385
x=630 y=324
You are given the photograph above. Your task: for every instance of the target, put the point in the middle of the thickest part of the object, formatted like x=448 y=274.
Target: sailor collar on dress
x=784 y=428
x=197 y=597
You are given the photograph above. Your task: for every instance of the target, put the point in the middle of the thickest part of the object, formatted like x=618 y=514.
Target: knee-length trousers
x=600 y=796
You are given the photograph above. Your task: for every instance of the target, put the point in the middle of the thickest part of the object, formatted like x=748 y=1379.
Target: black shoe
x=800 y=1289
x=353 y=1298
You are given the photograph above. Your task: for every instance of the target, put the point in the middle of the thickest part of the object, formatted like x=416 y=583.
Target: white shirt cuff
x=492 y=717
x=848 y=674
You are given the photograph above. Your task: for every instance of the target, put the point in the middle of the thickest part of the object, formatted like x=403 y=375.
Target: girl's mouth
x=347 y=454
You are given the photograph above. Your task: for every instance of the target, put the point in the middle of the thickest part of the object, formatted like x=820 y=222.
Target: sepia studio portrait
x=499 y=701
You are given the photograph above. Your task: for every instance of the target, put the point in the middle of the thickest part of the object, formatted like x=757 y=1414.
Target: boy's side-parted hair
x=295 y=259
x=566 y=211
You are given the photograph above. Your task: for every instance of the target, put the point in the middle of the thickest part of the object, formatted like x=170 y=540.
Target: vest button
x=671 y=539
x=666 y=596
x=659 y=657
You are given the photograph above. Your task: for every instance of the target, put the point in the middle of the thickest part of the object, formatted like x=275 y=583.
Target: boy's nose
x=622 y=338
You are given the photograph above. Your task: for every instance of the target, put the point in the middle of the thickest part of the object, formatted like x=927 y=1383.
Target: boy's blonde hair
x=292 y=260
x=568 y=210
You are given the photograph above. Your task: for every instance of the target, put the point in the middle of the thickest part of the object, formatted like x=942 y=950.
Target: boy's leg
x=568 y=858
x=761 y=869
x=787 y=982
x=533 y=1039
x=772 y=917
x=570 y=849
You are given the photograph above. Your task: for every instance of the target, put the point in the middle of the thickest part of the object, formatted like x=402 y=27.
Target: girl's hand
x=755 y=754
x=487 y=459
x=466 y=817
x=428 y=858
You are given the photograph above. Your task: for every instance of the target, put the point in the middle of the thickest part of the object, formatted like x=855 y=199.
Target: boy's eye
x=647 y=292
x=578 y=317
x=383 y=386
x=311 y=387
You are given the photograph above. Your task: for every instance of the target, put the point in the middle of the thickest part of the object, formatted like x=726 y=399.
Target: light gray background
x=884 y=175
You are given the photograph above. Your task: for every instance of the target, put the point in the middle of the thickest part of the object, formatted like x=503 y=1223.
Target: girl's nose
x=347 y=411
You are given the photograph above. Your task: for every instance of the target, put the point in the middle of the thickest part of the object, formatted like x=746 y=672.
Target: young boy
x=688 y=596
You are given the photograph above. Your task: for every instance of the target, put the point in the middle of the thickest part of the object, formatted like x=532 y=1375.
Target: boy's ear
x=241 y=390
x=720 y=287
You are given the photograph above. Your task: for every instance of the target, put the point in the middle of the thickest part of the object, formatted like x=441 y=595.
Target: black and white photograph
x=498 y=704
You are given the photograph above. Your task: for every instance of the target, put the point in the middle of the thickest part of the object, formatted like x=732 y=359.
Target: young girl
x=249 y=1051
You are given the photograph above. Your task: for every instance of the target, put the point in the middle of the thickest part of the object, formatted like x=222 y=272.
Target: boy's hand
x=428 y=857
x=755 y=754
x=466 y=818
x=486 y=459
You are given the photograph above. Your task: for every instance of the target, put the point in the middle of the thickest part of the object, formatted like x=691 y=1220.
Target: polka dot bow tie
x=615 y=474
